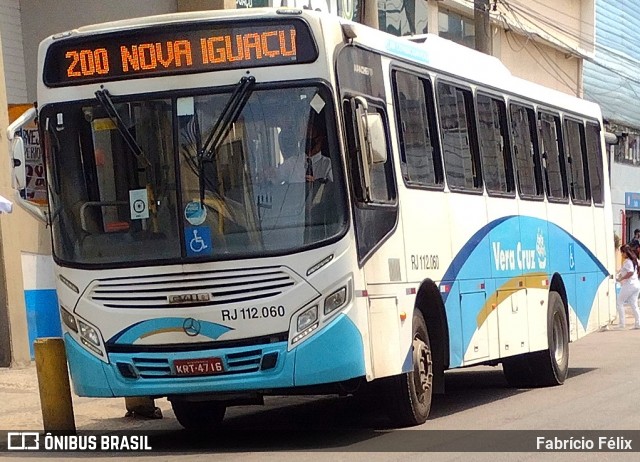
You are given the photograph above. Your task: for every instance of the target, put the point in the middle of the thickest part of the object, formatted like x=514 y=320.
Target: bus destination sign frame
x=183 y=49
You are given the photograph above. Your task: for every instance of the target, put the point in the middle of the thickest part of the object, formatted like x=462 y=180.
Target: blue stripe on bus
x=509 y=247
x=160 y=325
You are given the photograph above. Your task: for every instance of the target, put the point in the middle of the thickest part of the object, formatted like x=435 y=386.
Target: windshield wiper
x=228 y=116
x=104 y=98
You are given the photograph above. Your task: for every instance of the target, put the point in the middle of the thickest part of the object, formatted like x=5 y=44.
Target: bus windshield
x=136 y=186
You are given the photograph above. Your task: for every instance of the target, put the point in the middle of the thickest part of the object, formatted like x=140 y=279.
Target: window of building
x=457 y=28
x=627 y=151
x=493 y=141
x=420 y=155
x=402 y=17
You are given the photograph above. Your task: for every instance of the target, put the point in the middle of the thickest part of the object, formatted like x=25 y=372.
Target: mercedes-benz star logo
x=191 y=327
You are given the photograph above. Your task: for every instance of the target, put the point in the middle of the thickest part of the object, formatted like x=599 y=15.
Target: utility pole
x=370 y=13
x=482 y=23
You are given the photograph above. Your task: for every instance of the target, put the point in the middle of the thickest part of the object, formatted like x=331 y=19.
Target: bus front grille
x=196 y=289
x=155 y=367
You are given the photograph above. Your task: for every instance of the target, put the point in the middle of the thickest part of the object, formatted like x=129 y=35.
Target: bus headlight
x=307 y=318
x=68 y=319
x=335 y=300
x=306 y=323
x=89 y=333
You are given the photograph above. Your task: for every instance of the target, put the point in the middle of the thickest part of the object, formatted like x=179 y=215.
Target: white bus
x=263 y=202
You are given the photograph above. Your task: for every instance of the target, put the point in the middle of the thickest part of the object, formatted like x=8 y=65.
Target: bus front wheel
x=409 y=395
x=198 y=415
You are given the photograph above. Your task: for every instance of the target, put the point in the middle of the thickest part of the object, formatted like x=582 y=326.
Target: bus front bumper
x=334 y=354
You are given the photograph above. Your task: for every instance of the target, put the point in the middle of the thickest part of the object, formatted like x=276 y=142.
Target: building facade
x=545 y=41
x=611 y=79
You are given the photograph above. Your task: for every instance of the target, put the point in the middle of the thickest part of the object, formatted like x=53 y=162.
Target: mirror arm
x=20 y=122
x=34 y=210
x=361 y=108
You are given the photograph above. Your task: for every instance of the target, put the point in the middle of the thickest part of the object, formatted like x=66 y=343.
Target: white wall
x=624 y=178
x=43 y=18
x=11 y=30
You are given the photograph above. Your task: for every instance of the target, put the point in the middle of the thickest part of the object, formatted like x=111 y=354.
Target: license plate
x=204 y=366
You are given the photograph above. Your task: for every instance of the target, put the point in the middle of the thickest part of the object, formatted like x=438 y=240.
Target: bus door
x=375 y=204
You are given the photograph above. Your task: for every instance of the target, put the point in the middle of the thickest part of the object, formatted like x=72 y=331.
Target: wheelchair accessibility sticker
x=572 y=258
x=198 y=241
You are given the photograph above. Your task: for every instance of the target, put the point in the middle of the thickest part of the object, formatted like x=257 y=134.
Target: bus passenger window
x=525 y=151
x=493 y=140
x=461 y=162
x=574 y=136
x=553 y=155
x=594 y=161
x=420 y=154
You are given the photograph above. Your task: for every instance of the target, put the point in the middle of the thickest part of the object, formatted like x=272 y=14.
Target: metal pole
x=370 y=13
x=53 y=383
x=482 y=22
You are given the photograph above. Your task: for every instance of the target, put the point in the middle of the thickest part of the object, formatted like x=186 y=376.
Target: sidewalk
x=20 y=408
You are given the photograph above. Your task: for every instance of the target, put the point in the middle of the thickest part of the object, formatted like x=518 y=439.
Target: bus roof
x=428 y=50
x=446 y=56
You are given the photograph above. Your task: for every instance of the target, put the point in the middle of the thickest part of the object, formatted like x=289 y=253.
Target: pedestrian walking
x=630 y=286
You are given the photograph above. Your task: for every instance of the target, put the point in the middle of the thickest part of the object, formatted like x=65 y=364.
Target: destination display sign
x=198 y=48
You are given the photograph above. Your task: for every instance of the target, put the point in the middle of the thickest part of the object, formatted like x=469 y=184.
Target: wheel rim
x=423 y=373
x=558 y=339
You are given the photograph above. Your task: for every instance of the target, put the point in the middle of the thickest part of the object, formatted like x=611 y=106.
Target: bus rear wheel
x=552 y=364
x=409 y=395
x=548 y=367
x=198 y=415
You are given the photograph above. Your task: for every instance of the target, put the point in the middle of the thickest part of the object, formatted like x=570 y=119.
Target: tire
x=517 y=370
x=409 y=395
x=543 y=368
x=199 y=415
x=552 y=364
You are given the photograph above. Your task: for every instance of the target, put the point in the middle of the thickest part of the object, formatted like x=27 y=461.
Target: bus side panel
x=467 y=214
x=427 y=234
x=560 y=259
x=498 y=208
x=384 y=326
x=535 y=236
x=602 y=313
x=581 y=217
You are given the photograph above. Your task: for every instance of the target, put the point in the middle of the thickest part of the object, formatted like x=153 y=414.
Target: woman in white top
x=630 y=286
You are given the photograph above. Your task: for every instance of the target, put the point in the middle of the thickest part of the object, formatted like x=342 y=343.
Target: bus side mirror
x=611 y=138
x=19 y=172
x=19 y=166
x=377 y=142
